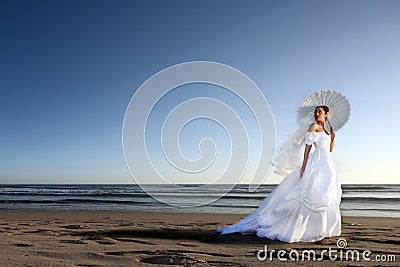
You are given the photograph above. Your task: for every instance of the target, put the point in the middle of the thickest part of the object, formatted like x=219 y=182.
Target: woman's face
x=320 y=115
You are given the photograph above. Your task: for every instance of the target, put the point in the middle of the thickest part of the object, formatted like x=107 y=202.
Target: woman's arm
x=306 y=153
x=332 y=139
x=313 y=128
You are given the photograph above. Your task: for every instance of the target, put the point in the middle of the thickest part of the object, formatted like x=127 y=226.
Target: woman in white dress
x=304 y=207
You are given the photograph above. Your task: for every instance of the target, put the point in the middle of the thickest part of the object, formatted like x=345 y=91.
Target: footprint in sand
x=72 y=226
x=23 y=245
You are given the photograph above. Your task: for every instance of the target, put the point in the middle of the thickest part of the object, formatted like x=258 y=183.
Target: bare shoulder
x=313 y=127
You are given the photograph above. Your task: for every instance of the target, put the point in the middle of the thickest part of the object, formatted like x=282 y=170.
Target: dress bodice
x=320 y=139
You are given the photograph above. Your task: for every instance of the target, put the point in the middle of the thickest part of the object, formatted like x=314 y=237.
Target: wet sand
x=47 y=238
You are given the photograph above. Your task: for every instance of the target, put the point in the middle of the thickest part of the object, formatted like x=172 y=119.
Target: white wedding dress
x=302 y=209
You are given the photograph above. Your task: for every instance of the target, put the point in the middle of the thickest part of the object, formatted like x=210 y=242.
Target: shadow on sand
x=204 y=236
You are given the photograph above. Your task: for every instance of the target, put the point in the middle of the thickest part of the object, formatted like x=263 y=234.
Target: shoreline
x=129 y=213
x=109 y=238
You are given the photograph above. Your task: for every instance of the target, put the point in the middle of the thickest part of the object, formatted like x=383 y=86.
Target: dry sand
x=46 y=238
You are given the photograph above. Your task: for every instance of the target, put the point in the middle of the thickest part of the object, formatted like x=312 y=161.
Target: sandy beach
x=48 y=238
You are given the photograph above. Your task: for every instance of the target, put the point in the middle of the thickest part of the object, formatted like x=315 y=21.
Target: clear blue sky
x=69 y=68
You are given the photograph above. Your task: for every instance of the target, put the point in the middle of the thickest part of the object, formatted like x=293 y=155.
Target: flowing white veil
x=290 y=154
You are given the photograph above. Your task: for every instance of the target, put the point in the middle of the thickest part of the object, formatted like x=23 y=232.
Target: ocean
x=374 y=200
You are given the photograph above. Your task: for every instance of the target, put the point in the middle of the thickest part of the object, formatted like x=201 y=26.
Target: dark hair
x=325 y=108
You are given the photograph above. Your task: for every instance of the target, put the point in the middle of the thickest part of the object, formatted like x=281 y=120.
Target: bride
x=304 y=207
